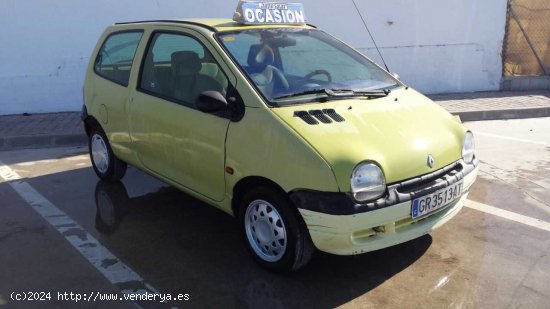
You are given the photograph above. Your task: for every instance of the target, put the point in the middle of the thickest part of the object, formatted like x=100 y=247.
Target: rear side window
x=114 y=60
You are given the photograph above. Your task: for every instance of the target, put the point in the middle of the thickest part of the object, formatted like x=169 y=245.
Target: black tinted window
x=114 y=60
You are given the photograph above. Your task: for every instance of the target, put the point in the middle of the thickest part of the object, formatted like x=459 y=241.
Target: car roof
x=215 y=24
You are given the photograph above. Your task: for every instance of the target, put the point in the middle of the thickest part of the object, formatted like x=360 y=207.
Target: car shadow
x=181 y=245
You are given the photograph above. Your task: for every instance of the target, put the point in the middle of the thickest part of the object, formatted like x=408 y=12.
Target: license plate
x=436 y=200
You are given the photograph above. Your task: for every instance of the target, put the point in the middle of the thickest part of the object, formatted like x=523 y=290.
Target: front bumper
x=364 y=228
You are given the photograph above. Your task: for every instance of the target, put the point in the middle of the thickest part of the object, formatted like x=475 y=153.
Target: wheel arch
x=248 y=183
x=89 y=123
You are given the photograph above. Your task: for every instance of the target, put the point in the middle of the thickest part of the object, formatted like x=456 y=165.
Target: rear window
x=115 y=58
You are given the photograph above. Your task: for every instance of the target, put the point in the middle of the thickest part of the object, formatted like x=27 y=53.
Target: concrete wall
x=435 y=45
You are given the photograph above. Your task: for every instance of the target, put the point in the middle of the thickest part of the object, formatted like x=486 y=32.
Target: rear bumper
x=379 y=228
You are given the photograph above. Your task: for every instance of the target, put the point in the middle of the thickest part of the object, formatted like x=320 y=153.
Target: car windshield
x=292 y=66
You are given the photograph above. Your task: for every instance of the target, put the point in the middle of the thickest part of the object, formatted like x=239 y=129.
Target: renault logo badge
x=431 y=161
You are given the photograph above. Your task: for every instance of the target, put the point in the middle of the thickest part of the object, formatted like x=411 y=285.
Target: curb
x=503 y=114
x=42 y=141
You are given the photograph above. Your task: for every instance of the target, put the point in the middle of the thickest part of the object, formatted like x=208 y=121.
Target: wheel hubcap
x=100 y=155
x=265 y=231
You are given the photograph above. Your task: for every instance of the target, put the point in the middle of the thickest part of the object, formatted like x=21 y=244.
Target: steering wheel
x=319 y=72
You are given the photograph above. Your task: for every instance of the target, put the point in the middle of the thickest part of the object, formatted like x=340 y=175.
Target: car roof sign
x=254 y=13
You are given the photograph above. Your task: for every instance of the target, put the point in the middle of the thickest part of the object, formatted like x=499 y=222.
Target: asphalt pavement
x=63 y=231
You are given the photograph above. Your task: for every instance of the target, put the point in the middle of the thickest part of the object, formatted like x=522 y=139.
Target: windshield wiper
x=297 y=94
x=337 y=92
x=357 y=93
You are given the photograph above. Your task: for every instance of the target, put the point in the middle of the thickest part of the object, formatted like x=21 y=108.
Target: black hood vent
x=305 y=116
x=315 y=116
x=333 y=114
x=317 y=113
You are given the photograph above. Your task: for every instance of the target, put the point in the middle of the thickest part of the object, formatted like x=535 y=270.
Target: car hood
x=398 y=132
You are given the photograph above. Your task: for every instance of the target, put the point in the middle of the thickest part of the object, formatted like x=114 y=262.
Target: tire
x=274 y=231
x=106 y=165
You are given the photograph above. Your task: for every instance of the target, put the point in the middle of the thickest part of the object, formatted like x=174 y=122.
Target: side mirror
x=395 y=75
x=211 y=101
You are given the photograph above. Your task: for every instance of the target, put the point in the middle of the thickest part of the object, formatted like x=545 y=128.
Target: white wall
x=435 y=45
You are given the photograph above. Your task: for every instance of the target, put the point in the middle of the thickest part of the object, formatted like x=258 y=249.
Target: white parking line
x=537 y=223
x=511 y=138
x=111 y=267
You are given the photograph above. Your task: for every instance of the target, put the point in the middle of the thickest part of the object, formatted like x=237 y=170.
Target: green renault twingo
x=302 y=138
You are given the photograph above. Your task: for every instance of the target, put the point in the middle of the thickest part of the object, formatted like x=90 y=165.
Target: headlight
x=367 y=182
x=468 y=147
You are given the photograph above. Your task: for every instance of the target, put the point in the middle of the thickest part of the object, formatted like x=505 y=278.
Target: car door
x=171 y=137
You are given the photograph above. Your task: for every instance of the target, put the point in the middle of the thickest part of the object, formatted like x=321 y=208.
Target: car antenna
x=372 y=38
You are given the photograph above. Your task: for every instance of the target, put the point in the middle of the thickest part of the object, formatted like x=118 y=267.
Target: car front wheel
x=274 y=231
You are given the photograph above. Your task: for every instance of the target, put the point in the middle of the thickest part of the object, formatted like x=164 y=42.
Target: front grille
x=429 y=180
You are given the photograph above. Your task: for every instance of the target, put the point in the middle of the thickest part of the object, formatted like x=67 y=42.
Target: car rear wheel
x=106 y=165
x=274 y=231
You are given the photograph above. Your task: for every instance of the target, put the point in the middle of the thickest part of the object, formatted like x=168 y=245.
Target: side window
x=114 y=60
x=177 y=67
